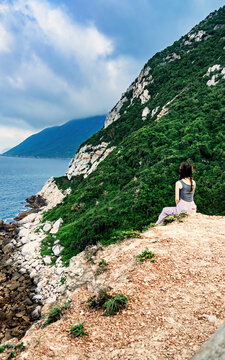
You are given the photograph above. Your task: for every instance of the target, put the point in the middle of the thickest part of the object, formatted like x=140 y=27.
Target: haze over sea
x=22 y=177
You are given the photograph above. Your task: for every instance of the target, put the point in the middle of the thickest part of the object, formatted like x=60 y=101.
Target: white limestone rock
x=114 y=114
x=57 y=249
x=28 y=219
x=213 y=68
x=154 y=111
x=87 y=159
x=47 y=260
x=144 y=97
x=47 y=226
x=56 y=226
x=138 y=90
x=23 y=232
x=145 y=113
x=51 y=193
x=216 y=70
x=212 y=81
x=31 y=248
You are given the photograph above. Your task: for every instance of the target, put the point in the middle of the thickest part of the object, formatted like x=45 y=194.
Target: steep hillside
x=173 y=111
x=58 y=141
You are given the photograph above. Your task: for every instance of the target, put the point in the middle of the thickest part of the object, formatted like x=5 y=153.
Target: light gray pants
x=182 y=206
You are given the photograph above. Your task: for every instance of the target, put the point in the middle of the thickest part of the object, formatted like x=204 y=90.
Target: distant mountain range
x=58 y=141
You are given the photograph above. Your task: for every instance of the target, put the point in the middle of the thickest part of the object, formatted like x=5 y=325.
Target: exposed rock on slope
x=87 y=159
x=175 y=303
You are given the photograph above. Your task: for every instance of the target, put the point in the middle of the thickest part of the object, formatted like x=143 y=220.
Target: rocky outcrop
x=114 y=114
x=17 y=307
x=87 y=159
x=52 y=194
x=145 y=113
x=215 y=71
x=195 y=37
x=138 y=91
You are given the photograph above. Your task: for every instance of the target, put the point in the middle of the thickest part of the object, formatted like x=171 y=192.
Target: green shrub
x=63 y=280
x=57 y=312
x=115 y=304
x=102 y=267
x=110 y=304
x=170 y=219
x=53 y=315
x=78 y=330
x=99 y=300
x=16 y=350
x=146 y=254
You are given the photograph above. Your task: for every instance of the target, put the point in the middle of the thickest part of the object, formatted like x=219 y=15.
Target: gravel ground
x=175 y=303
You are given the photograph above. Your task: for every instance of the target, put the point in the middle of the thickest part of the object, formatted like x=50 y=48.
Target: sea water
x=22 y=177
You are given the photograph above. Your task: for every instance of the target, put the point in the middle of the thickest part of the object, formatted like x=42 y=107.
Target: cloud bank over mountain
x=61 y=60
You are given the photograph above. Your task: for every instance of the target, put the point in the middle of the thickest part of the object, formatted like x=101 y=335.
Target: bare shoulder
x=178 y=184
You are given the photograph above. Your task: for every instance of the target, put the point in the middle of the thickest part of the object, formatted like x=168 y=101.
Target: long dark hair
x=186 y=170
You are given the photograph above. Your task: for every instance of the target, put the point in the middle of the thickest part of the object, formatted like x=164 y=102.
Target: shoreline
x=34 y=157
x=22 y=263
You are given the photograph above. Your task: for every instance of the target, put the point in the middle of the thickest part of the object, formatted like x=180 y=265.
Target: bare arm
x=178 y=186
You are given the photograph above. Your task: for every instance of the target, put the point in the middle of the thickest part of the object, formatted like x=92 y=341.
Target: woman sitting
x=184 y=194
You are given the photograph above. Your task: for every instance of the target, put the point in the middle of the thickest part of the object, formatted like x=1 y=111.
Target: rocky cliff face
x=87 y=159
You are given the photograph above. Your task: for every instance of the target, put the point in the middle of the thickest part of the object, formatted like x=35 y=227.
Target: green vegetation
x=53 y=315
x=130 y=187
x=102 y=267
x=115 y=304
x=63 y=280
x=110 y=304
x=170 y=219
x=146 y=254
x=12 y=353
x=56 y=313
x=99 y=300
x=78 y=330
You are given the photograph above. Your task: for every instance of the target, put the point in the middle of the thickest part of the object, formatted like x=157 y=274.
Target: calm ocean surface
x=23 y=177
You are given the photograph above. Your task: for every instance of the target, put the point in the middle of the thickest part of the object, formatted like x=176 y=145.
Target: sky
x=69 y=59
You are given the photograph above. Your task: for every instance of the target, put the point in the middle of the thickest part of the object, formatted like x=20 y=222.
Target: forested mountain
x=58 y=141
x=172 y=112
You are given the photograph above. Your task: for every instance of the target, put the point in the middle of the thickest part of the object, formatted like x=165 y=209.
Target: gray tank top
x=185 y=191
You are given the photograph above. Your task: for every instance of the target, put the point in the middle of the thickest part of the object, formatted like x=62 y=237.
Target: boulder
x=57 y=249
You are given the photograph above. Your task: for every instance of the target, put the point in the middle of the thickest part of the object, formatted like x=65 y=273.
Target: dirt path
x=175 y=303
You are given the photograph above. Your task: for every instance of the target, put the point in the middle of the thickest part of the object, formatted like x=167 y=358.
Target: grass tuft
x=115 y=304
x=146 y=254
x=102 y=267
x=78 y=330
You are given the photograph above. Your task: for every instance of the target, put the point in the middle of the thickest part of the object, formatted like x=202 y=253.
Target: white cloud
x=5 y=39
x=57 y=69
x=58 y=30
x=12 y=136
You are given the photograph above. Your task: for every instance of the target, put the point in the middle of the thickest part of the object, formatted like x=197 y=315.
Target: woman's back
x=185 y=193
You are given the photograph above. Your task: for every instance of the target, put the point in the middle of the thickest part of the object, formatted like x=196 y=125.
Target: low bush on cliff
x=146 y=254
x=78 y=330
x=110 y=304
